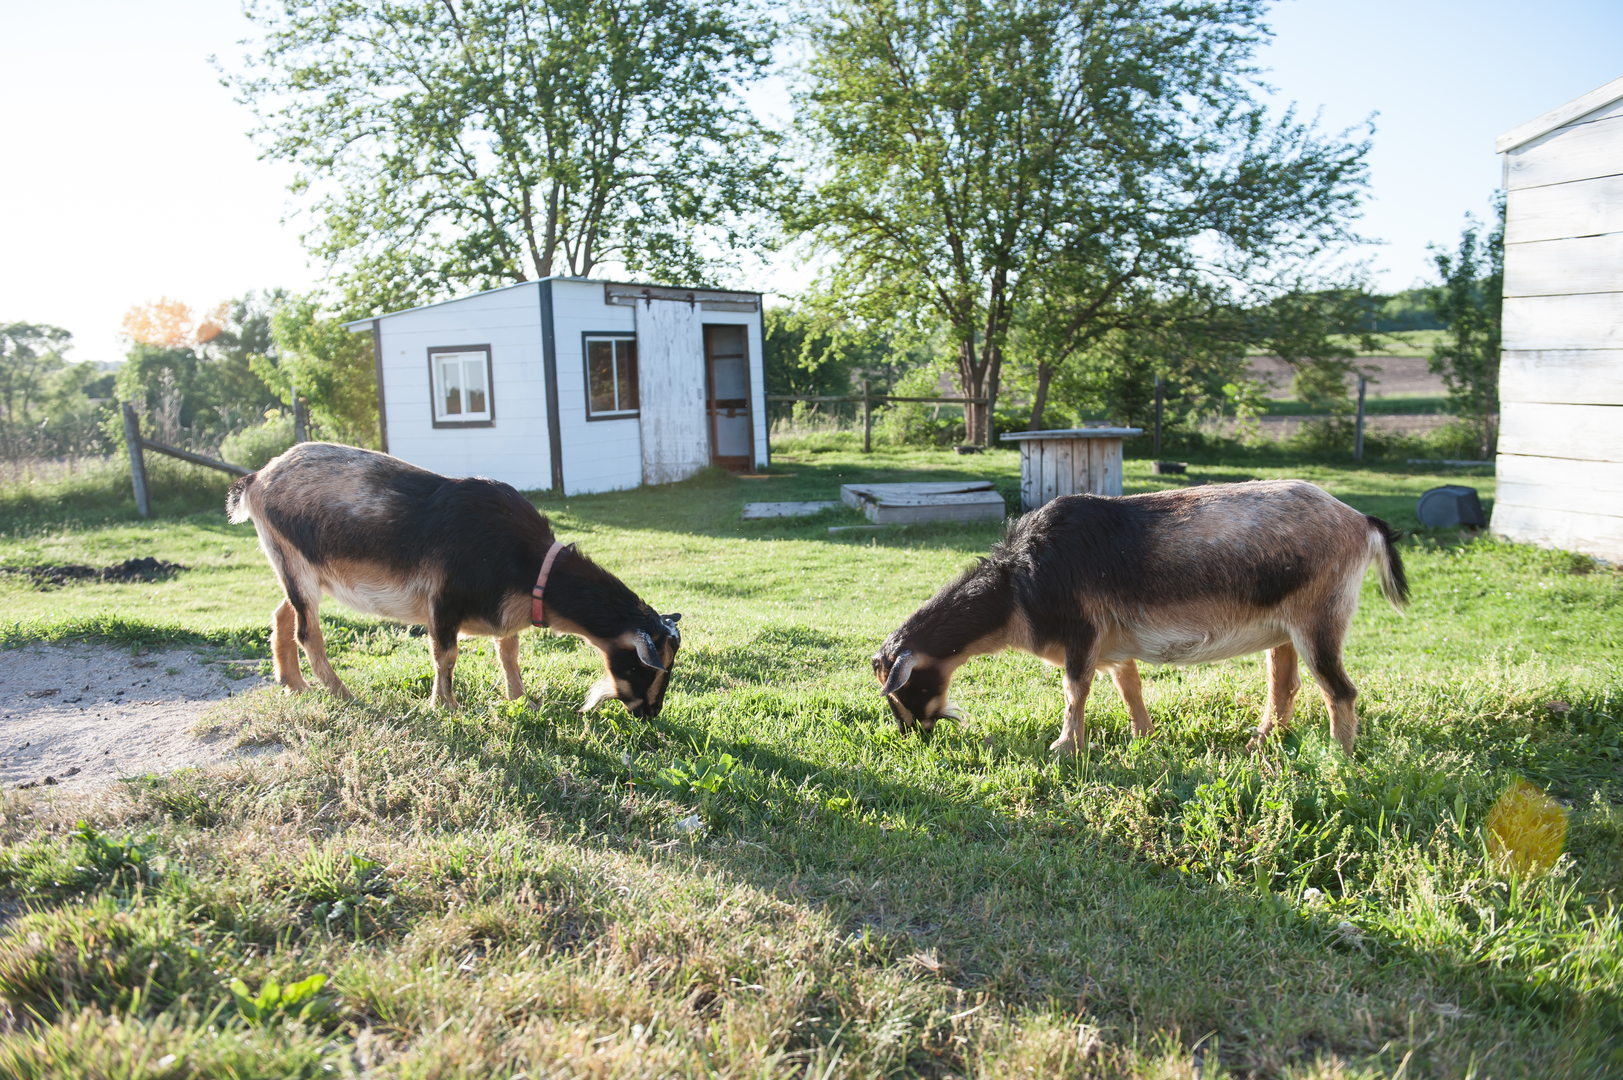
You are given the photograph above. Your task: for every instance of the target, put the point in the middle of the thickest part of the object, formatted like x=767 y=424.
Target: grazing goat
x=459 y=556
x=1173 y=577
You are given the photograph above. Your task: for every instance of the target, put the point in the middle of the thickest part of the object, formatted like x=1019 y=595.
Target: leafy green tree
x=1470 y=302
x=331 y=369
x=802 y=355
x=974 y=156
x=451 y=144
x=192 y=378
x=1197 y=343
x=30 y=353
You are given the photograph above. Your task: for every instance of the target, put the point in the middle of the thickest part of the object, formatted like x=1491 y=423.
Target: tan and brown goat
x=1173 y=577
x=459 y=556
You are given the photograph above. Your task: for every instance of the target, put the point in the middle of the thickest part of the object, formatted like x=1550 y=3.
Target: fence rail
x=867 y=401
x=138 y=445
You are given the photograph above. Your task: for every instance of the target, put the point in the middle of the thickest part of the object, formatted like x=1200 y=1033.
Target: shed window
x=611 y=377
x=462 y=392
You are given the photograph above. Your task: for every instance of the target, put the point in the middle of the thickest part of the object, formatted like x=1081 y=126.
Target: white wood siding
x=1577 y=264
x=1576 y=432
x=515 y=449
x=1580 y=151
x=1572 y=377
x=599 y=455
x=1560 y=467
x=1581 y=208
x=670 y=367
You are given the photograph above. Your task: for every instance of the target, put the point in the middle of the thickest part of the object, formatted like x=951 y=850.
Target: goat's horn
x=900 y=672
x=645 y=650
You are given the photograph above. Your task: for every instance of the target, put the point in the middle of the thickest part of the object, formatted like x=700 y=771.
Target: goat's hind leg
x=1323 y=654
x=1284 y=680
x=284 y=645
x=307 y=626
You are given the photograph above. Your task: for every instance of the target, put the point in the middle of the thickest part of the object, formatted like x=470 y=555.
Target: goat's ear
x=673 y=617
x=601 y=691
x=645 y=650
x=670 y=625
x=900 y=672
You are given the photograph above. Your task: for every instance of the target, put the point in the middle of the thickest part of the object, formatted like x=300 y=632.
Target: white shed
x=1560 y=468
x=573 y=384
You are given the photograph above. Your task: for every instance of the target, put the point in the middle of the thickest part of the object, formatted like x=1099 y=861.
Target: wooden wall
x=1560 y=468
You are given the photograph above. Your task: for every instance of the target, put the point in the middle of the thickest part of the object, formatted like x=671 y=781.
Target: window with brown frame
x=611 y=376
x=460 y=386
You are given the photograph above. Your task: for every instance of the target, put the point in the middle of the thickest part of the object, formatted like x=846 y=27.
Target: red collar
x=538 y=615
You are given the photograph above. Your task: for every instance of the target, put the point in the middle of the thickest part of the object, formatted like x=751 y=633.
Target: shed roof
x=1598 y=98
x=357 y=325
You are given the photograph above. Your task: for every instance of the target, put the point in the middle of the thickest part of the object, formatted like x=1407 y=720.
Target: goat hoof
x=1258 y=741
x=1064 y=747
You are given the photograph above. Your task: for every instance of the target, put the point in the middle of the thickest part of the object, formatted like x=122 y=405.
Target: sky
x=130 y=174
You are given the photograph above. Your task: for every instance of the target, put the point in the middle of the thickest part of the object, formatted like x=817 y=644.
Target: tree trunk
x=994 y=372
x=970 y=385
x=1045 y=375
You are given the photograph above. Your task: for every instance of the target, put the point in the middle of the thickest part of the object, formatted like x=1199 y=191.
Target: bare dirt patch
x=83 y=715
x=54 y=575
x=1394 y=375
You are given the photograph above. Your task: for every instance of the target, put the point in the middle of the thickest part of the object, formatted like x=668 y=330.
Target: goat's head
x=637 y=666
x=915 y=687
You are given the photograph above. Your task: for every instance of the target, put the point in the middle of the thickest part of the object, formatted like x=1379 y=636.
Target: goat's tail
x=1383 y=550
x=236 y=500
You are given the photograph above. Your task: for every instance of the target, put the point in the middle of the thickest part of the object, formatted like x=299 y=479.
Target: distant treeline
x=1412 y=309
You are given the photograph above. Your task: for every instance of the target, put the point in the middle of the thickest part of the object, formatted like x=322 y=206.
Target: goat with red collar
x=459 y=556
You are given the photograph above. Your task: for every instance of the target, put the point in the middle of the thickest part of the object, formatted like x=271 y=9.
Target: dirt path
x=84 y=715
x=1397 y=374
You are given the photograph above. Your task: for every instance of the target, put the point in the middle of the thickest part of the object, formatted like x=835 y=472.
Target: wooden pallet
x=904 y=504
x=760 y=511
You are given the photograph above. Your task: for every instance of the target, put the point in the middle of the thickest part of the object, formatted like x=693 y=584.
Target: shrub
x=913 y=423
x=253 y=447
x=98 y=490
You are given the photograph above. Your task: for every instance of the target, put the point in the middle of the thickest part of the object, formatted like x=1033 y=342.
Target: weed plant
x=768 y=880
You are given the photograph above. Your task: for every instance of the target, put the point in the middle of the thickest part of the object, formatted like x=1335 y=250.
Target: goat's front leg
x=1125 y=676
x=442 y=648
x=1080 y=663
x=507 y=652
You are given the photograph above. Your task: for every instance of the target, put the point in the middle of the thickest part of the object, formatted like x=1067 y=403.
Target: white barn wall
x=515 y=450
x=1560 y=465
x=598 y=455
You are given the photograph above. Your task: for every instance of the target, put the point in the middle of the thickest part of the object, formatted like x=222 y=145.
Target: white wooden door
x=671 y=385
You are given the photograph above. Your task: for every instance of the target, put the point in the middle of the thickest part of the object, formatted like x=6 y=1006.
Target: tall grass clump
x=93 y=491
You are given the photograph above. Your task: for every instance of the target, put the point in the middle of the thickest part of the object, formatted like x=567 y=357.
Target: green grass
x=769 y=881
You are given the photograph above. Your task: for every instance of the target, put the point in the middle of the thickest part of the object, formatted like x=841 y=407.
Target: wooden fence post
x=1358 y=429
x=298 y=418
x=867 y=420
x=138 y=465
